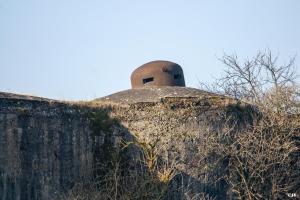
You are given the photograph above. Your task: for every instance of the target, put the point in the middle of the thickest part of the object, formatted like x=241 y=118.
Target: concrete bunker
x=157 y=73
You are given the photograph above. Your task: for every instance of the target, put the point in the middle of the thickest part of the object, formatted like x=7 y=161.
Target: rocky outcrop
x=44 y=147
x=47 y=146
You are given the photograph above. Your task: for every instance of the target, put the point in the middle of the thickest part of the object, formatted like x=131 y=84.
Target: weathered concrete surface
x=175 y=121
x=155 y=94
x=44 y=147
x=47 y=146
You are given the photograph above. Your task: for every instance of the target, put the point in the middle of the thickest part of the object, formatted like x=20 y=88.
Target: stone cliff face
x=47 y=146
x=44 y=148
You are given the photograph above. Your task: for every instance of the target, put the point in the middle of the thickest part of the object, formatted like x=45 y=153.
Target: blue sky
x=79 y=50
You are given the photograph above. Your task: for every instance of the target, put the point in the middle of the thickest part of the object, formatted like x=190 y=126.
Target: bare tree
x=263 y=158
x=252 y=79
x=258 y=160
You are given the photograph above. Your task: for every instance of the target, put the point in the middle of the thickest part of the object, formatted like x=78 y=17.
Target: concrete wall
x=44 y=148
x=47 y=146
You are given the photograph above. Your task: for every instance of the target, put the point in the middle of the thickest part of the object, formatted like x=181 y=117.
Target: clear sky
x=79 y=50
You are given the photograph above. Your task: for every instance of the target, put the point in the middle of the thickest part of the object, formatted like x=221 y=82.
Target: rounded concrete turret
x=157 y=73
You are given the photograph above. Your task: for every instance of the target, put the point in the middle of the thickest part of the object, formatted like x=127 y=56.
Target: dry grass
x=239 y=159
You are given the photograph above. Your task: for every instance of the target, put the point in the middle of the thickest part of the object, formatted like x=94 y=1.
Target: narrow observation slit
x=147 y=80
x=177 y=76
x=165 y=70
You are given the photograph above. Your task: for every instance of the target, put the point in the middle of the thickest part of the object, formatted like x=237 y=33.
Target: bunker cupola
x=157 y=73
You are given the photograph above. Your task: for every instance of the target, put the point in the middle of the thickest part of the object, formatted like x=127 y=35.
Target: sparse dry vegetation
x=250 y=152
x=263 y=157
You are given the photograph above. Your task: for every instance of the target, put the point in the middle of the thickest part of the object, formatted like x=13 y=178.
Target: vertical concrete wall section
x=44 y=148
